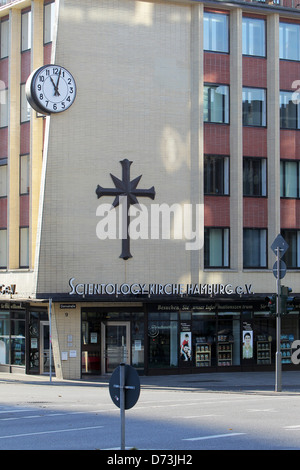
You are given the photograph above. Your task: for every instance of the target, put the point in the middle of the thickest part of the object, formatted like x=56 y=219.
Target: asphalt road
x=38 y=415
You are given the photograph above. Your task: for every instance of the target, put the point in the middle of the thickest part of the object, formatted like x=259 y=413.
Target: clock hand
x=58 y=81
x=56 y=92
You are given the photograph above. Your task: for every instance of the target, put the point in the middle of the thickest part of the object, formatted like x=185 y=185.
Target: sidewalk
x=239 y=382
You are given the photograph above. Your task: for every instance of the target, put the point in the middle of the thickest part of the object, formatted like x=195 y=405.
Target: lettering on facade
x=11 y=289
x=87 y=289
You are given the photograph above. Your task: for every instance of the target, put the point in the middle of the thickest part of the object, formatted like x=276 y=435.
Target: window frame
x=4 y=44
x=284 y=43
x=263 y=248
x=210 y=110
x=263 y=111
x=225 y=248
x=3 y=167
x=210 y=179
x=246 y=23
x=285 y=94
x=287 y=256
x=208 y=32
x=263 y=176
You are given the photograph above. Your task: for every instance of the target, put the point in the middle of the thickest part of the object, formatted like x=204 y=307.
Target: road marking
x=215 y=436
x=50 y=432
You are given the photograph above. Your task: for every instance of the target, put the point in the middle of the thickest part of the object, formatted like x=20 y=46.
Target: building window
x=216 y=247
x=25 y=107
x=4 y=39
x=255 y=248
x=3 y=177
x=216 y=175
x=3 y=106
x=254 y=37
x=215 y=32
x=289 y=41
x=292 y=255
x=289 y=178
x=24 y=174
x=254 y=177
x=289 y=111
x=3 y=248
x=254 y=107
x=49 y=13
x=24 y=247
x=26 y=31
x=216 y=103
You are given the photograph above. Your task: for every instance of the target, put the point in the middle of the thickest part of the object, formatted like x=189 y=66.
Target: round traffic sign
x=282 y=270
x=131 y=387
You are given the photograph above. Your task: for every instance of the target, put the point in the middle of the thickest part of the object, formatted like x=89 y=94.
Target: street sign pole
x=279 y=247
x=122 y=404
x=278 y=366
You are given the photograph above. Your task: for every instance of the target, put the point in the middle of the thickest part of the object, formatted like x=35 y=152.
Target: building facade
x=137 y=224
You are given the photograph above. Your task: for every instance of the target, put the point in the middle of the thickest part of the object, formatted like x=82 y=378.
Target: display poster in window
x=185 y=342
x=247 y=344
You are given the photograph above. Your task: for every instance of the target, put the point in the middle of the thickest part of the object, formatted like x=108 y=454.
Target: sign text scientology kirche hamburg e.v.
x=87 y=289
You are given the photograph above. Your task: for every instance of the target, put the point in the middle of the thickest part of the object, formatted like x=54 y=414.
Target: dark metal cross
x=128 y=189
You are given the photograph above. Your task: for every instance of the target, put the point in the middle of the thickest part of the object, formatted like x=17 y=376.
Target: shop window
x=215 y=32
x=4 y=337
x=3 y=248
x=216 y=104
x=292 y=255
x=204 y=339
x=4 y=39
x=26 y=31
x=289 y=178
x=289 y=110
x=216 y=247
x=289 y=41
x=228 y=339
x=254 y=107
x=18 y=339
x=163 y=340
x=255 y=248
x=255 y=177
x=216 y=175
x=254 y=37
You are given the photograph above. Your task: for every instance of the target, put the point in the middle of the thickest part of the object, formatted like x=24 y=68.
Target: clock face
x=52 y=89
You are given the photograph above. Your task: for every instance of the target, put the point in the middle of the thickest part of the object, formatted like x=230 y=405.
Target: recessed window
x=292 y=255
x=26 y=31
x=289 y=110
x=216 y=103
x=289 y=41
x=25 y=107
x=289 y=178
x=3 y=177
x=4 y=39
x=216 y=247
x=3 y=105
x=254 y=107
x=3 y=248
x=216 y=175
x=255 y=248
x=215 y=32
x=254 y=37
x=24 y=174
x=49 y=13
x=24 y=247
x=254 y=177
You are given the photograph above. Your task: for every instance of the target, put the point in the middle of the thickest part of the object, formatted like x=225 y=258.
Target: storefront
x=24 y=339
x=172 y=338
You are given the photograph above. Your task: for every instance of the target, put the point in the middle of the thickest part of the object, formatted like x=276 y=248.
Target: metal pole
x=50 y=339
x=122 y=404
x=278 y=328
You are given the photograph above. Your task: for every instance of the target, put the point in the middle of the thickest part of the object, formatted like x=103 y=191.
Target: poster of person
x=247 y=344
x=186 y=346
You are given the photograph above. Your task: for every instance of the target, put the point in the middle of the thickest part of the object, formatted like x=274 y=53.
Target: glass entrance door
x=45 y=348
x=115 y=345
